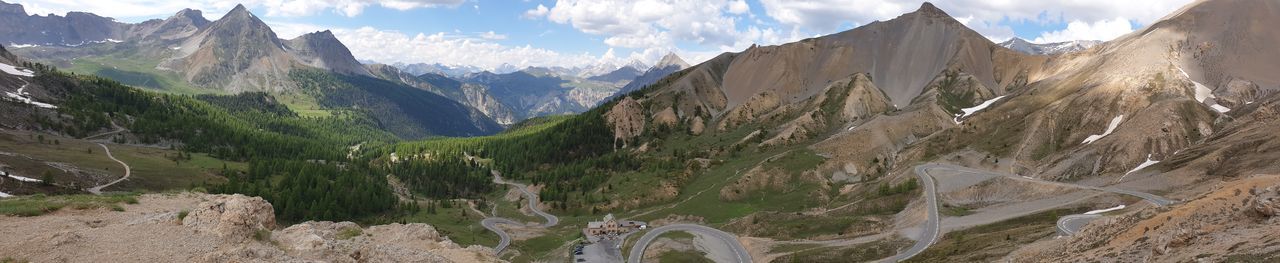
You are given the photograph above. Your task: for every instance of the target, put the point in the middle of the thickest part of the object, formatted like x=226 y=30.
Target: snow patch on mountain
x=1115 y=122
x=1099 y=211
x=11 y=70
x=975 y=109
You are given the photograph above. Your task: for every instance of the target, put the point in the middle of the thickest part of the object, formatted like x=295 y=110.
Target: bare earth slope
x=217 y=228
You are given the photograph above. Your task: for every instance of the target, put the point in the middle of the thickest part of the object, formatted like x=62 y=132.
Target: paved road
x=118 y=129
x=1069 y=225
x=739 y=252
x=1154 y=199
x=931 y=226
x=491 y=223
x=127 y=171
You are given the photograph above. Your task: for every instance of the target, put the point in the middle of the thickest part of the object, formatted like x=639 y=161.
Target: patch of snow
x=1145 y=164
x=15 y=71
x=175 y=48
x=1115 y=122
x=12 y=45
x=851 y=127
x=3 y=195
x=1220 y=108
x=25 y=99
x=1248 y=102
x=1094 y=212
x=24 y=179
x=1202 y=92
x=114 y=41
x=975 y=109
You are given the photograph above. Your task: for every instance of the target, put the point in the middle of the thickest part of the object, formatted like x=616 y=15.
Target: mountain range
x=239 y=53
x=910 y=139
x=1022 y=45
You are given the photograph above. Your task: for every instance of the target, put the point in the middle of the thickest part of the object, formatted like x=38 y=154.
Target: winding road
x=1069 y=225
x=933 y=225
x=127 y=171
x=1066 y=225
x=492 y=223
x=113 y=124
x=740 y=253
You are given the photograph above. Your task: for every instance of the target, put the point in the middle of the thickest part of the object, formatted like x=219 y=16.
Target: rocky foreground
x=217 y=228
x=1236 y=221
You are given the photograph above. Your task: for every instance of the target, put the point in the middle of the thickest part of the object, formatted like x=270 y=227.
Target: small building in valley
x=611 y=226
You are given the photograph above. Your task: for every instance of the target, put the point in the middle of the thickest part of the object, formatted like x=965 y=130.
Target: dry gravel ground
x=217 y=228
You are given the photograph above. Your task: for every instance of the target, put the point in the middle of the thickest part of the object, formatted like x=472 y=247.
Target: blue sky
x=588 y=32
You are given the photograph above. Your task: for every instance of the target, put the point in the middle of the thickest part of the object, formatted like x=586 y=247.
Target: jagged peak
x=636 y=64
x=671 y=59
x=929 y=9
x=195 y=16
x=1017 y=40
x=318 y=35
x=12 y=8
x=238 y=12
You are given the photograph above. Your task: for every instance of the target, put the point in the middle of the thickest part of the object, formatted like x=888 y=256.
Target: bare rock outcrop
x=1208 y=228
x=1267 y=202
x=666 y=117
x=231 y=216
x=627 y=119
x=348 y=242
x=697 y=126
x=214 y=231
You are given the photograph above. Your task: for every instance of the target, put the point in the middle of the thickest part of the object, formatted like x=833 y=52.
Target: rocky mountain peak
x=12 y=9
x=637 y=64
x=195 y=17
x=671 y=59
x=929 y=9
x=323 y=50
x=239 y=10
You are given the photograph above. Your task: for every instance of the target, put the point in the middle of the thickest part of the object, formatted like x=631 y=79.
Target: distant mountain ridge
x=670 y=63
x=74 y=29
x=240 y=53
x=1024 y=46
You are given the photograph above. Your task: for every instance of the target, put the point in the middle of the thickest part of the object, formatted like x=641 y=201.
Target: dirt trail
x=127 y=172
x=491 y=223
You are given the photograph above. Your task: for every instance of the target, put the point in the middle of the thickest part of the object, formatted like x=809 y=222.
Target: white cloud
x=388 y=46
x=274 y=8
x=739 y=7
x=539 y=12
x=825 y=16
x=492 y=36
x=287 y=30
x=993 y=31
x=651 y=23
x=1076 y=30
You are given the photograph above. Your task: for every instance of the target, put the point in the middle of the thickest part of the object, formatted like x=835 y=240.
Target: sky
x=576 y=33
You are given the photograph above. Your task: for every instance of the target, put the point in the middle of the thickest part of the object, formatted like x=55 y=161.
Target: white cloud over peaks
x=389 y=46
x=349 y=8
x=1104 y=30
x=984 y=16
x=825 y=16
x=651 y=23
x=214 y=8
